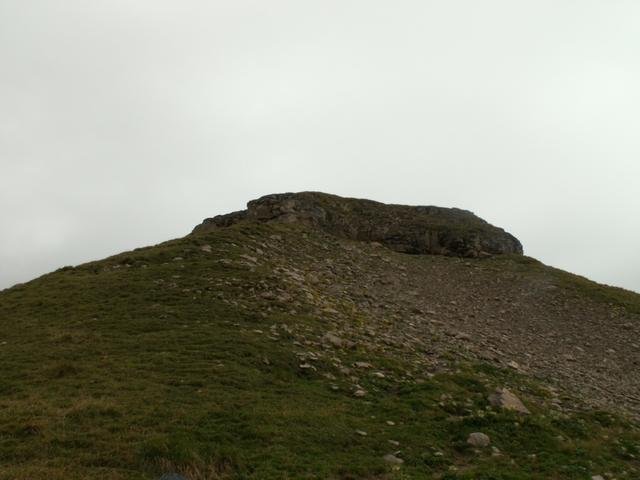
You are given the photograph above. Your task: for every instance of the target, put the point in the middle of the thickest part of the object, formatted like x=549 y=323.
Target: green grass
x=141 y=364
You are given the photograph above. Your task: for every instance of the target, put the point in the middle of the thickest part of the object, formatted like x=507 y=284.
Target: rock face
x=407 y=229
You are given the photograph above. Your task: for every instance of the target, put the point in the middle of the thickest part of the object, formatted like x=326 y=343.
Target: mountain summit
x=326 y=338
x=415 y=230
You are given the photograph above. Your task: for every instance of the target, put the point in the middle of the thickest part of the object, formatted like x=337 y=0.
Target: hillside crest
x=407 y=229
x=286 y=341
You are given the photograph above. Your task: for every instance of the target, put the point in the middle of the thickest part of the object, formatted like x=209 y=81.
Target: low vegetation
x=147 y=363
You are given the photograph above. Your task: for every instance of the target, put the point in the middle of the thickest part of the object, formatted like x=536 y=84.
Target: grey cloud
x=125 y=123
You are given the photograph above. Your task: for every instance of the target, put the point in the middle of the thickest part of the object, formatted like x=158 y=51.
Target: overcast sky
x=124 y=123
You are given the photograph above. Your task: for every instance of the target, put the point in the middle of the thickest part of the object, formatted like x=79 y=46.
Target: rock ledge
x=407 y=229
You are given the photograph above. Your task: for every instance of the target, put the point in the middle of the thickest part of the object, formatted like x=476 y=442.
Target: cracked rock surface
x=408 y=229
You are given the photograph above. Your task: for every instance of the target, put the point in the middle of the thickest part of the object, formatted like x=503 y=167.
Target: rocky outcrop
x=408 y=229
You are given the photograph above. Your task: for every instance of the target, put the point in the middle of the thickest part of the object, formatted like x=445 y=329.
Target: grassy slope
x=142 y=364
x=614 y=296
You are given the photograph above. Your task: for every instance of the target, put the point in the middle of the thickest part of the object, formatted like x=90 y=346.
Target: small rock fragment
x=332 y=339
x=249 y=258
x=514 y=365
x=503 y=398
x=392 y=459
x=478 y=439
x=362 y=365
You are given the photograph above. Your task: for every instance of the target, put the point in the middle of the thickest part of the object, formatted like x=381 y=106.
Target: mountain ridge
x=270 y=350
